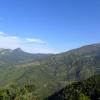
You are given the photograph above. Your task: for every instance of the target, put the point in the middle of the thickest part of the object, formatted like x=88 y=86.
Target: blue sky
x=49 y=26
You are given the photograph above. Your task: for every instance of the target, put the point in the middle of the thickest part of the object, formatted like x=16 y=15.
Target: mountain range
x=48 y=72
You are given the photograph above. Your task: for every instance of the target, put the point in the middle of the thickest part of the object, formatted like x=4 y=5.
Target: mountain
x=49 y=72
x=83 y=90
x=4 y=51
x=85 y=50
x=10 y=57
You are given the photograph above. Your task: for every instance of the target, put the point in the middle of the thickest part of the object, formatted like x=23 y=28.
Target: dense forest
x=14 y=92
x=84 y=90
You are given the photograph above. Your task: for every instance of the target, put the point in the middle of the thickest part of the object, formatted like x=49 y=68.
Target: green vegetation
x=13 y=92
x=83 y=90
x=48 y=72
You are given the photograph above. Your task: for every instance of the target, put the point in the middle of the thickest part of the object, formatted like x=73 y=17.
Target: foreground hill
x=84 y=90
x=49 y=73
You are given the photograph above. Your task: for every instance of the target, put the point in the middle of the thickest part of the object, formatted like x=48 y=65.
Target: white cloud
x=9 y=42
x=2 y=33
x=27 y=44
x=33 y=40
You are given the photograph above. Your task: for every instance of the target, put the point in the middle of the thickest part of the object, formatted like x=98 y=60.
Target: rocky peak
x=18 y=50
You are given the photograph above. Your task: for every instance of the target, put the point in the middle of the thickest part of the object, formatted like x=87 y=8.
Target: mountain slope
x=10 y=57
x=50 y=73
x=83 y=90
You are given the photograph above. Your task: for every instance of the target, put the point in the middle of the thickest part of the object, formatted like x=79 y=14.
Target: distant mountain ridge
x=18 y=56
x=88 y=49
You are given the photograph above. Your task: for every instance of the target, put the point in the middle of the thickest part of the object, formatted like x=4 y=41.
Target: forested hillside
x=84 y=90
x=48 y=72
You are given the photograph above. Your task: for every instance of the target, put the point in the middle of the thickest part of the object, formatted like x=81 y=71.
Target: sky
x=49 y=26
